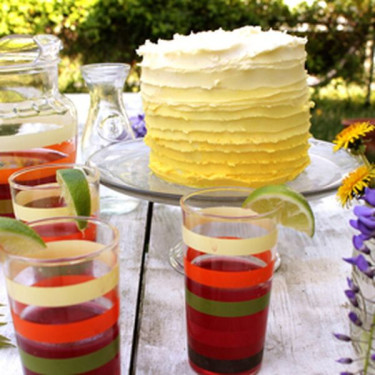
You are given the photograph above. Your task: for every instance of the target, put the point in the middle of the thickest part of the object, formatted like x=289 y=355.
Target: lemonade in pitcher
x=37 y=123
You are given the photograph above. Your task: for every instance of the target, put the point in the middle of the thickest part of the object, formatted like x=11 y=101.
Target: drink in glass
x=64 y=300
x=229 y=255
x=36 y=194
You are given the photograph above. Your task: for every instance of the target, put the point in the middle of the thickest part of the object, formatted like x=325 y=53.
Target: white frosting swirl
x=240 y=48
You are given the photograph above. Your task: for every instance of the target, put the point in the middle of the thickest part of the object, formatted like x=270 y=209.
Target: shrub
x=111 y=30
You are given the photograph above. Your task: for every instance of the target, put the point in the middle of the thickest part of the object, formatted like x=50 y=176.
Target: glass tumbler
x=37 y=195
x=64 y=299
x=229 y=256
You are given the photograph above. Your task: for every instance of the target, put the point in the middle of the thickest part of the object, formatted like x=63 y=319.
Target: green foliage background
x=111 y=30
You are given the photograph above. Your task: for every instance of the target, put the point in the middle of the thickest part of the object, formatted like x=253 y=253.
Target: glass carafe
x=37 y=123
x=107 y=121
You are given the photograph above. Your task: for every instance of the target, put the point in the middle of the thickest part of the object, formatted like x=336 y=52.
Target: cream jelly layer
x=226 y=108
x=38 y=132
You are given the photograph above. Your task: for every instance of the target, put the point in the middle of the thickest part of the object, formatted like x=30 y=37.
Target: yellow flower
x=352 y=133
x=355 y=183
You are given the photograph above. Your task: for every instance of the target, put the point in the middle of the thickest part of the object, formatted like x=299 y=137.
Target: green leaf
x=4 y=341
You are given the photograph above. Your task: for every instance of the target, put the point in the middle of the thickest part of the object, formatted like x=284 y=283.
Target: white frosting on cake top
x=248 y=45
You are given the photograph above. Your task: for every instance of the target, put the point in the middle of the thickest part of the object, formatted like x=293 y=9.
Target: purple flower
x=352 y=297
x=369 y=196
x=342 y=337
x=352 y=286
x=362 y=264
x=363 y=211
x=138 y=125
x=345 y=361
x=358 y=242
x=352 y=261
x=367 y=222
x=355 y=319
x=354 y=223
x=365 y=227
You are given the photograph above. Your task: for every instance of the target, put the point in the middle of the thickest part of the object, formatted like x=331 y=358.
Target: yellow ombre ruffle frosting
x=226 y=108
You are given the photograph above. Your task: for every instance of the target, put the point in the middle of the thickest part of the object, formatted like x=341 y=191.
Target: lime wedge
x=295 y=212
x=76 y=192
x=17 y=238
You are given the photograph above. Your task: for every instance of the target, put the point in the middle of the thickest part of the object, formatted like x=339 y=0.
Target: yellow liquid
x=49 y=193
x=36 y=132
x=67 y=249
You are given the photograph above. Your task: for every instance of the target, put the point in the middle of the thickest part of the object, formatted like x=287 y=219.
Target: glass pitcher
x=37 y=123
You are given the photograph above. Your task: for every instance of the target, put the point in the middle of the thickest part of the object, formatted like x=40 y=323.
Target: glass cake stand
x=124 y=167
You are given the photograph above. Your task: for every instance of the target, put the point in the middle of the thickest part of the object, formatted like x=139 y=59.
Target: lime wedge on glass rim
x=295 y=211
x=76 y=191
x=17 y=238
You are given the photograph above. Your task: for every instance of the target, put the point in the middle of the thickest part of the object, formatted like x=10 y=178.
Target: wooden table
x=307 y=304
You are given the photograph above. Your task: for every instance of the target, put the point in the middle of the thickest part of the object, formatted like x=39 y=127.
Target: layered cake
x=226 y=107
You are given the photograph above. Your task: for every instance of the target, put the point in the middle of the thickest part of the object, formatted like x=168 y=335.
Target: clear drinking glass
x=37 y=123
x=229 y=256
x=65 y=299
x=37 y=195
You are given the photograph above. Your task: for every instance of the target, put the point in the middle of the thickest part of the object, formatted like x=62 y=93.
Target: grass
x=334 y=103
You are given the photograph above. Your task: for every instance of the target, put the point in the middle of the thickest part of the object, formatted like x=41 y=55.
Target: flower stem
x=364 y=159
x=369 y=342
